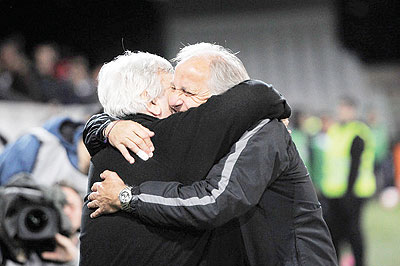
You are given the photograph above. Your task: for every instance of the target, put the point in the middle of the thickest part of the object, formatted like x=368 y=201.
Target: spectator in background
x=83 y=85
x=52 y=89
x=52 y=153
x=49 y=79
x=348 y=178
x=318 y=143
x=16 y=79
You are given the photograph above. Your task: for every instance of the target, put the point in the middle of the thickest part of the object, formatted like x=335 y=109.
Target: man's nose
x=177 y=105
x=174 y=100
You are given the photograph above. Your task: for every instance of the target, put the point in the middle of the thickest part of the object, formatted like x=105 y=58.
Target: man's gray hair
x=226 y=69
x=130 y=81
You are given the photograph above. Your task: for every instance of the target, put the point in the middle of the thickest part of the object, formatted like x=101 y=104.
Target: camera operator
x=67 y=248
x=49 y=155
x=39 y=224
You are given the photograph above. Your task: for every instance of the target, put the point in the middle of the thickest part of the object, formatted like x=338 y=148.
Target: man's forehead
x=199 y=64
x=192 y=70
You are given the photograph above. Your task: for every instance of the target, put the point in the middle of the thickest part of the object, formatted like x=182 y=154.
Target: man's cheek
x=172 y=99
x=197 y=101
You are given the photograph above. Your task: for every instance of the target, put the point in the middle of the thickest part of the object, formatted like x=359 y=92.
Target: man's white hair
x=130 y=81
x=226 y=69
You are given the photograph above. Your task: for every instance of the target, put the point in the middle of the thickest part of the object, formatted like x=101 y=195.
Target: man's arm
x=215 y=125
x=231 y=188
x=357 y=148
x=93 y=133
x=97 y=132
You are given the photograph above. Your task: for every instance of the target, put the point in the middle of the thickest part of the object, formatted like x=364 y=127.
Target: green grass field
x=382 y=231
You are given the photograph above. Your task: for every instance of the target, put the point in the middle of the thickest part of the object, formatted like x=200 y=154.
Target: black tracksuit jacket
x=263 y=182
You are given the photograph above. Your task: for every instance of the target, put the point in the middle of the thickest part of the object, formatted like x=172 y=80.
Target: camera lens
x=36 y=220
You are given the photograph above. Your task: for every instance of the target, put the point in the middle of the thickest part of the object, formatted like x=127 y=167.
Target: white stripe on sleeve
x=222 y=184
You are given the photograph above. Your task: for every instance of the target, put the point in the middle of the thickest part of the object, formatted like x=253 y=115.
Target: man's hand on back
x=104 y=196
x=126 y=134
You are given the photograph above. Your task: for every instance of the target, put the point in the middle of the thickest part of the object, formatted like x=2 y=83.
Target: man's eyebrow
x=188 y=91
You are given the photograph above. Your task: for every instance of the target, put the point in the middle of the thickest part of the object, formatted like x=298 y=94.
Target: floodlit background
x=313 y=52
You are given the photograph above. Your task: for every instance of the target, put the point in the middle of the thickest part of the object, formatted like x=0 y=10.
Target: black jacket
x=187 y=146
x=264 y=182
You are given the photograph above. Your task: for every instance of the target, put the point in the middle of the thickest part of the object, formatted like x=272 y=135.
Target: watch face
x=125 y=196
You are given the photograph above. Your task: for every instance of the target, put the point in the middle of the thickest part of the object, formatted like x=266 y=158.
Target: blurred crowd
x=310 y=133
x=350 y=161
x=47 y=76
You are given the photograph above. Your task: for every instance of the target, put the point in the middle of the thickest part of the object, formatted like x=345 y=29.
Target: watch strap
x=129 y=206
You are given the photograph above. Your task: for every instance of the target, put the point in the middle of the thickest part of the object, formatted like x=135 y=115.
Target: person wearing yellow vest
x=348 y=178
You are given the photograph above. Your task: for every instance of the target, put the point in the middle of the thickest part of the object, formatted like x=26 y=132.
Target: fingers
x=96 y=213
x=94 y=187
x=132 y=144
x=132 y=136
x=145 y=134
x=112 y=177
x=124 y=151
x=62 y=240
x=93 y=204
x=49 y=255
x=92 y=196
x=105 y=173
x=108 y=174
x=137 y=143
x=65 y=250
x=149 y=132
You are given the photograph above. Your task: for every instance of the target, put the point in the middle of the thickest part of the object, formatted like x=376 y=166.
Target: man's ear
x=154 y=108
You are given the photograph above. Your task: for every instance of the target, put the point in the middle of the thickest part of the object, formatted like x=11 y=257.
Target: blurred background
x=315 y=52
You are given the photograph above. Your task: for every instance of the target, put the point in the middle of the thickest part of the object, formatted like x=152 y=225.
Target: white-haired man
x=188 y=145
x=262 y=180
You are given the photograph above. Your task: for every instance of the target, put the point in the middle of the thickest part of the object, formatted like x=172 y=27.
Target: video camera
x=30 y=217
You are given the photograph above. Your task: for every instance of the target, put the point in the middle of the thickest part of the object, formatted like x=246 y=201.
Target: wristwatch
x=125 y=197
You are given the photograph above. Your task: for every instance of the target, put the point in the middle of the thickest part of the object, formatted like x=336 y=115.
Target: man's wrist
x=104 y=130
x=128 y=198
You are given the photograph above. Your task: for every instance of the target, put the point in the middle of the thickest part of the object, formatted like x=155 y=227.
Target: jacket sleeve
x=232 y=187
x=93 y=133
